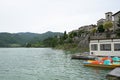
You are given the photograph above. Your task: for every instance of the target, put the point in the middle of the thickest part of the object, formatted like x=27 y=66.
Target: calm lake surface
x=44 y=64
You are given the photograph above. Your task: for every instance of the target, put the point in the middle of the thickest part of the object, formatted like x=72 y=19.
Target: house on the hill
x=109 y=16
x=116 y=17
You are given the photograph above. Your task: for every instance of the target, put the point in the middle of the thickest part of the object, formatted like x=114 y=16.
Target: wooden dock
x=114 y=74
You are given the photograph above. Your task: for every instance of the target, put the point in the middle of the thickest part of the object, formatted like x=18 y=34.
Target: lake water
x=44 y=64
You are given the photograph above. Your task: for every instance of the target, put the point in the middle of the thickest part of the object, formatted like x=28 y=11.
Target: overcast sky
x=52 y=15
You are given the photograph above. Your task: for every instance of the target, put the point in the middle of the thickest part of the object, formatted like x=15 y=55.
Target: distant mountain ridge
x=20 y=39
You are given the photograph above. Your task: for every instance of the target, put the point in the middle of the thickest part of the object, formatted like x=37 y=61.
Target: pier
x=114 y=74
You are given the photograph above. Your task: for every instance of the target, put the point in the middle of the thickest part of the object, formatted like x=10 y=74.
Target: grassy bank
x=73 y=48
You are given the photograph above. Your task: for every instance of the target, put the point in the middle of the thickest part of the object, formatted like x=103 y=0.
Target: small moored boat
x=102 y=65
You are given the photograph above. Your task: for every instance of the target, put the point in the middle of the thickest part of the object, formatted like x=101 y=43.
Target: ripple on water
x=44 y=64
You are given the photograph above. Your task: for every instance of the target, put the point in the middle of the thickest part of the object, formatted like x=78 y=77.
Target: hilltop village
x=109 y=17
x=108 y=27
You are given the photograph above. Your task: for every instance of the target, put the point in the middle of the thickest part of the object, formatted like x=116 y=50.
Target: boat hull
x=102 y=66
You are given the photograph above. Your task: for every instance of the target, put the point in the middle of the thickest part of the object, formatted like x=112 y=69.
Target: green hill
x=20 y=39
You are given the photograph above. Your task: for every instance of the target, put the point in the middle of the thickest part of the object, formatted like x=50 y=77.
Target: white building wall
x=105 y=53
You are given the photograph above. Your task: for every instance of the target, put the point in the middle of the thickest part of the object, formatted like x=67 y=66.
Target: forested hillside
x=21 y=39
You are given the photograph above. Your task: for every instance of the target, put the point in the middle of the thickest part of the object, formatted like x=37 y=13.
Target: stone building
x=109 y=16
x=100 y=22
x=116 y=17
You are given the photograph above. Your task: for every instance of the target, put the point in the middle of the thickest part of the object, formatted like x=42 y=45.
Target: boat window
x=117 y=47
x=94 y=47
x=105 y=47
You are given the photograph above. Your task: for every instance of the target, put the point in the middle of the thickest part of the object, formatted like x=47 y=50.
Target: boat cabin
x=105 y=47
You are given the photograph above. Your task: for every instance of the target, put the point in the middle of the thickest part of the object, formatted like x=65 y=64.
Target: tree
x=28 y=45
x=80 y=32
x=50 y=42
x=73 y=34
x=100 y=29
x=65 y=36
x=69 y=40
x=118 y=32
x=94 y=31
x=118 y=24
x=107 y=25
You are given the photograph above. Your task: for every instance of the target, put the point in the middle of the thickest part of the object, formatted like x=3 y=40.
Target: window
x=117 y=47
x=94 y=47
x=105 y=47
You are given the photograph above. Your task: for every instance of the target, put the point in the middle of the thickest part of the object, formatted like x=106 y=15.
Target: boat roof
x=115 y=72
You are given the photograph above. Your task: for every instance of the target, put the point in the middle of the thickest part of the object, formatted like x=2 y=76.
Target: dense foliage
x=118 y=24
x=107 y=25
x=101 y=29
x=118 y=32
x=23 y=39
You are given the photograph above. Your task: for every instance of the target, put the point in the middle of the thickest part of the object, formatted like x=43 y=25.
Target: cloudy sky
x=52 y=15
